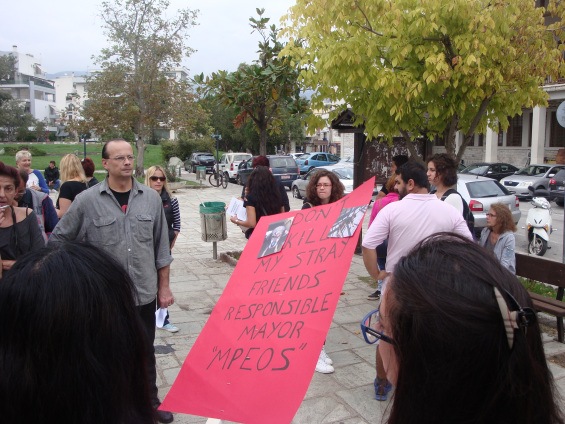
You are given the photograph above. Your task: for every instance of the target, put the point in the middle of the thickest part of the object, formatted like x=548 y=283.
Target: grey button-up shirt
x=138 y=239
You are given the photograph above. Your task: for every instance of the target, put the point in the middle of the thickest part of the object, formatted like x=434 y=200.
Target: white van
x=229 y=163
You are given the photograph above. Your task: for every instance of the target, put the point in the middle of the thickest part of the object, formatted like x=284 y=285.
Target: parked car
x=200 y=159
x=481 y=192
x=229 y=163
x=556 y=187
x=284 y=169
x=344 y=173
x=496 y=171
x=313 y=160
x=537 y=176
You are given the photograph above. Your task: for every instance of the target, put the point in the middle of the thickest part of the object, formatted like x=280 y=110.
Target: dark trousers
x=147 y=314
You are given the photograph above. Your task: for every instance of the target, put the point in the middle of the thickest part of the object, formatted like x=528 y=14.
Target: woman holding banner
x=324 y=188
x=262 y=198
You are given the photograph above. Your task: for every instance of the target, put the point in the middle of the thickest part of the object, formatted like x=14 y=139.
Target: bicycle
x=217 y=179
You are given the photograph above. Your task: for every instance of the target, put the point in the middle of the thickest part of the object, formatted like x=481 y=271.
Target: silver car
x=481 y=192
x=537 y=176
x=344 y=173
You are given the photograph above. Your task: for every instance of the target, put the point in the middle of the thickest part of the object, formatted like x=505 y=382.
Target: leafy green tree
x=7 y=67
x=15 y=120
x=262 y=90
x=245 y=137
x=424 y=68
x=135 y=90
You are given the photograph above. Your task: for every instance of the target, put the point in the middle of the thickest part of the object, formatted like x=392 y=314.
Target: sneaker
x=375 y=296
x=324 y=357
x=324 y=368
x=382 y=388
x=170 y=328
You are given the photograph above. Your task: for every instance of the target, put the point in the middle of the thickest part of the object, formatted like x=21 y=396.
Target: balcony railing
x=26 y=81
x=550 y=81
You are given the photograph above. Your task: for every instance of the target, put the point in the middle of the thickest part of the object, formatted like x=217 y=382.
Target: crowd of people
x=456 y=334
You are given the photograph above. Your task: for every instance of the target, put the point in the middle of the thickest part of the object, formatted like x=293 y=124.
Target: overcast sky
x=64 y=34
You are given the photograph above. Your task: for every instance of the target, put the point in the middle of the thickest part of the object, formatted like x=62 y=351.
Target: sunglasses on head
x=158 y=178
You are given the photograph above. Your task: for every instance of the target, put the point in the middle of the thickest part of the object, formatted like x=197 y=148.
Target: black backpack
x=467 y=214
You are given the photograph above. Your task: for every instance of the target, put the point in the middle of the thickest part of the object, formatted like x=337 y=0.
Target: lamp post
x=84 y=141
x=218 y=137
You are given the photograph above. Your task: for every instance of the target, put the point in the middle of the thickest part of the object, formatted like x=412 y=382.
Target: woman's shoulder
x=22 y=214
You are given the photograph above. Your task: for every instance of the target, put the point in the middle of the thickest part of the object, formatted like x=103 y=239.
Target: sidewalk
x=197 y=281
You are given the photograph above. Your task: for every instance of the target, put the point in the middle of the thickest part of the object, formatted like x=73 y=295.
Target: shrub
x=184 y=148
x=35 y=151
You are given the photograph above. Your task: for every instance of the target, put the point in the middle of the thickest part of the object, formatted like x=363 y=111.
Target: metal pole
x=84 y=139
x=215 y=249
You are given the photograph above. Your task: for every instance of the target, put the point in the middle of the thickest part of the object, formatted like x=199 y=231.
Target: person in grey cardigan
x=498 y=236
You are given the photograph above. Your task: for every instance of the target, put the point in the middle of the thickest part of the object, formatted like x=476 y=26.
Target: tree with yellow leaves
x=424 y=68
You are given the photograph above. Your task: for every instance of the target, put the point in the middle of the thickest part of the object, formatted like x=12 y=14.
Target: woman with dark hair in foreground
x=71 y=344
x=460 y=341
x=19 y=229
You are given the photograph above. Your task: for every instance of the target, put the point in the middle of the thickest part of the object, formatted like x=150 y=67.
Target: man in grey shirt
x=126 y=219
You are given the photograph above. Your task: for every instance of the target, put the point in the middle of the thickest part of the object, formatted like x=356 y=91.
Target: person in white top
x=442 y=172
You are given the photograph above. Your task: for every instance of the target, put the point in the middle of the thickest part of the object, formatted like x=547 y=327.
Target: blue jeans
x=381 y=262
x=54 y=185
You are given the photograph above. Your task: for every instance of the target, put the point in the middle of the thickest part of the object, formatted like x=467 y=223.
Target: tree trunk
x=411 y=148
x=263 y=140
x=141 y=146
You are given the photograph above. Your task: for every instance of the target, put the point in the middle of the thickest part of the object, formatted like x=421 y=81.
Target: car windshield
x=533 y=170
x=286 y=162
x=475 y=169
x=205 y=157
x=241 y=157
x=344 y=173
x=304 y=156
x=492 y=188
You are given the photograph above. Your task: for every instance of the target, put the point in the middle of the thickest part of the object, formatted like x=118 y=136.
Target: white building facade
x=31 y=87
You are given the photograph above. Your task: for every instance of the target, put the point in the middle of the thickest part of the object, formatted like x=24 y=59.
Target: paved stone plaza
x=197 y=281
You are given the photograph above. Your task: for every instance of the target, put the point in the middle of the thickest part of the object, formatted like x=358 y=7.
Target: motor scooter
x=538 y=222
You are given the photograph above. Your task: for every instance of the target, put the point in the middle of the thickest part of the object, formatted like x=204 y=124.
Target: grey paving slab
x=321 y=410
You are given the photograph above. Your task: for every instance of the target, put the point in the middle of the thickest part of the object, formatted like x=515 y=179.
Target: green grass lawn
x=93 y=150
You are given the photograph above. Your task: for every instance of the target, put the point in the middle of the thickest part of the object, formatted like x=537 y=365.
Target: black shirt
x=70 y=189
x=122 y=198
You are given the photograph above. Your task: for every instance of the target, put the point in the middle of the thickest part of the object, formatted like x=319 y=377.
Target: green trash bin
x=213 y=221
x=201 y=173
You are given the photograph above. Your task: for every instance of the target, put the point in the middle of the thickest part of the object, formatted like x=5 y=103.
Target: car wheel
x=194 y=169
x=238 y=179
x=309 y=169
x=296 y=193
x=559 y=202
x=537 y=246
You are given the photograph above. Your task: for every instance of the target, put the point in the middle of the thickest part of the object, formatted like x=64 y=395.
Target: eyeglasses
x=368 y=328
x=491 y=215
x=158 y=178
x=123 y=158
x=323 y=185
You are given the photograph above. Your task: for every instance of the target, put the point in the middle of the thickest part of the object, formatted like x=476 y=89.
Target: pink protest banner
x=255 y=357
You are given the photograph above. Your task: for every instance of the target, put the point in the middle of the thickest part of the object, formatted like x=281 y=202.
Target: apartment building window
x=557 y=132
x=481 y=140
x=514 y=133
